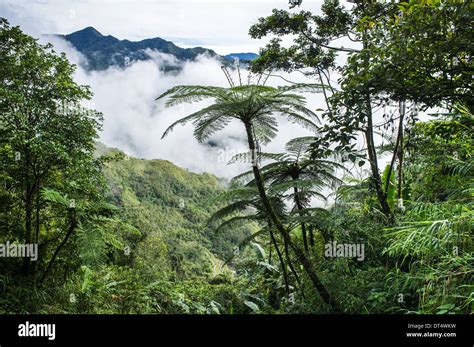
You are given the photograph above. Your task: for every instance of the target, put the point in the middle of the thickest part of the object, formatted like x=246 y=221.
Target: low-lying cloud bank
x=134 y=121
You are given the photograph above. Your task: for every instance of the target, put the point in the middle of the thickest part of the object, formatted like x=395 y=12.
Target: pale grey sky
x=133 y=120
x=221 y=25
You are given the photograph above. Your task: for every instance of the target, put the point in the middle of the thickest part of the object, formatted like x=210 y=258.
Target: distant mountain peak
x=105 y=51
x=87 y=31
x=87 y=37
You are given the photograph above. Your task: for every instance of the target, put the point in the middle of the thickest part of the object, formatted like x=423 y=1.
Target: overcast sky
x=133 y=120
x=221 y=25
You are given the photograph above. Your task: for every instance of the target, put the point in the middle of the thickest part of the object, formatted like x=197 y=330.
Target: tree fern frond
x=55 y=197
x=205 y=127
x=185 y=94
x=230 y=209
x=246 y=157
x=239 y=220
x=181 y=121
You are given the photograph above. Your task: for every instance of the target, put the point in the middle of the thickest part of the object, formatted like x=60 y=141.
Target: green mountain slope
x=171 y=207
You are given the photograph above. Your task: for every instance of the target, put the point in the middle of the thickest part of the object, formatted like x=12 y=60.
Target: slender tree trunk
x=282 y=262
x=400 y=156
x=37 y=211
x=327 y=298
x=372 y=154
x=270 y=254
x=28 y=210
x=37 y=223
x=400 y=173
x=398 y=144
x=369 y=135
x=326 y=98
x=311 y=235
x=28 y=226
x=290 y=263
x=299 y=206
x=72 y=227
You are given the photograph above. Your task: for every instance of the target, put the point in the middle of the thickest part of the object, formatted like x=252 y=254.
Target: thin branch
x=339 y=49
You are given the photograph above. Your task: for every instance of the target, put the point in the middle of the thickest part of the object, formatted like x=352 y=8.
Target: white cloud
x=221 y=25
x=134 y=121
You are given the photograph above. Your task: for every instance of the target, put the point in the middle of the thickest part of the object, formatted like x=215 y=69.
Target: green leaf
x=253 y=306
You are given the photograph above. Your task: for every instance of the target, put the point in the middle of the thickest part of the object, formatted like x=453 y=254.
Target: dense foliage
x=124 y=235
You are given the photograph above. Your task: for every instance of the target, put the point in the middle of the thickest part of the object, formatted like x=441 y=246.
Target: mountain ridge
x=104 y=51
x=249 y=56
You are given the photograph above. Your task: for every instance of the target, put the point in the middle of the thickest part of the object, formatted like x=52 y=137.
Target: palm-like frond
x=236 y=221
x=300 y=144
x=265 y=128
x=55 y=197
x=246 y=157
x=307 y=195
x=243 y=206
x=186 y=94
x=252 y=104
x=284 y=186
x=230 y=209
x=207 y=126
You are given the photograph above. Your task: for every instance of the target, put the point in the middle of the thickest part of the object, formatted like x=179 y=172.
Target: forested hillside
x=171 y=207
x=103 y=52
x=159 y=254
x=88 y=229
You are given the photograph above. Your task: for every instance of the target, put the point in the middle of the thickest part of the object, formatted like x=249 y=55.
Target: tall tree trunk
x=37 y=223
x=327 y=298
x=299 y=206
x=37 y=212
x=398 y=144
x=72 y=226
x=326 y=98
x=311 y=235
x=290 y=263
x=28 y=210
x=400 y=155
x=28 y=227
x=400 y=173
x=372 y=154
x=282 y=262
x=369 y=135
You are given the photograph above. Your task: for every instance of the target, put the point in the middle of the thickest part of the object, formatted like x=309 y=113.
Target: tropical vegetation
x=387 y=170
